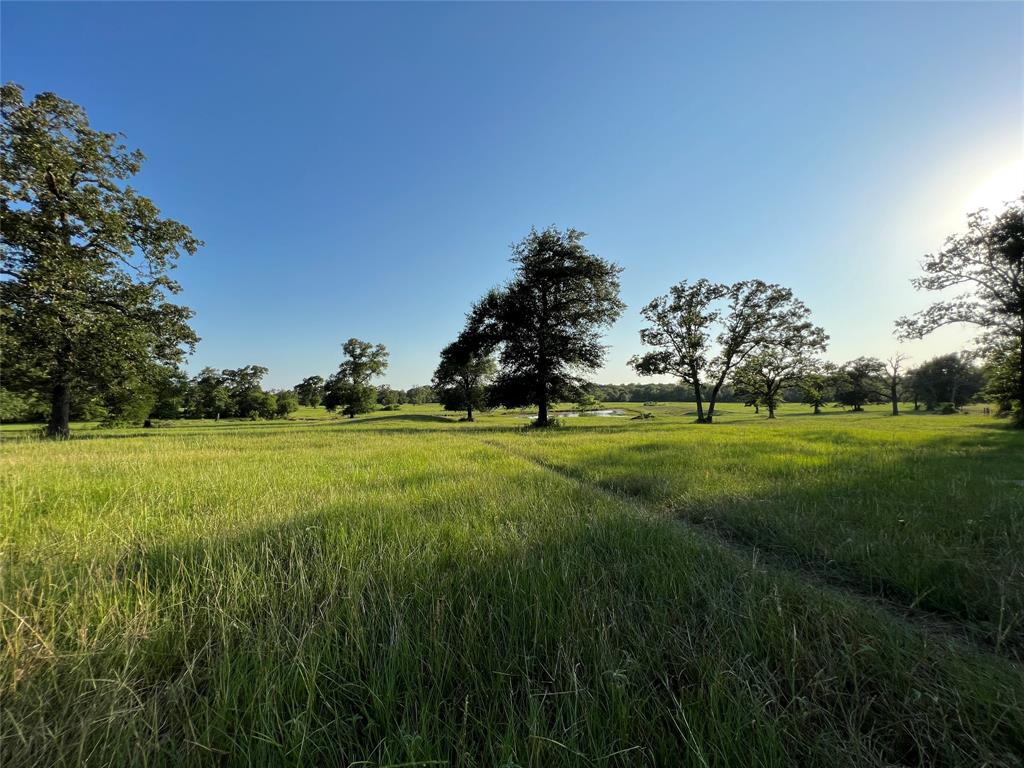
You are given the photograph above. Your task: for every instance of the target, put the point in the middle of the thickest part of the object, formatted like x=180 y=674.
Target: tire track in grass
x=936 y=625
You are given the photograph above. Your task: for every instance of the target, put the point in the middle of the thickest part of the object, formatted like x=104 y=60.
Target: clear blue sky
x=360 y=170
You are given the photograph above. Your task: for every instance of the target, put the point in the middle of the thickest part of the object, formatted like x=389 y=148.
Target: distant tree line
x=166 y=392
x=89 y=329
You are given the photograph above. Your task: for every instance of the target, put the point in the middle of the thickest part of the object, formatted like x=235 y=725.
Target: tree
x=989 y=261
x=742 y=316
x=310 y=391
x=860 y=382
x=391 y=399
x=817 y=388
x=245 y=392
x=287 y=401
x=421 y=395
x=951 y=378
x=130 y=401
x=350 y=387
x=546 y=321
x=680 y=331
x=208 y=396
x=747 y=390
x=171 y=388
x=1001 y=379
x=786 y=355
x=462 y=377
x=894 y=378
x=84 y=257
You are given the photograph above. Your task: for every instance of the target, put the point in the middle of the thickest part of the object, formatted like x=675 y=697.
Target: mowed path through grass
x=408 y=590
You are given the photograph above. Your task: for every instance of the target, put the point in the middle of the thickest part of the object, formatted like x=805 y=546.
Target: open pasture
x=404 y=589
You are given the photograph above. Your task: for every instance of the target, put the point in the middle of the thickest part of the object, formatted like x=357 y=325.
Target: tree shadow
x=597 y=638
x=927 y=525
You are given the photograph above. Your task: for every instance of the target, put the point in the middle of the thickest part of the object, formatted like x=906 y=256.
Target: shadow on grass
x=927 y=525
x=597 y=639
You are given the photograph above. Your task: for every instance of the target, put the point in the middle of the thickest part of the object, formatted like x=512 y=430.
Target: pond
x=573 y=414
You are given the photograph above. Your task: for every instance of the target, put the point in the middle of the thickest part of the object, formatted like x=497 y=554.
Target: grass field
x=403 y=589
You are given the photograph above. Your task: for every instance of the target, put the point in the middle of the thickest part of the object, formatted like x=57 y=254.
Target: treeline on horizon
x=944 y=383
x=90 y=330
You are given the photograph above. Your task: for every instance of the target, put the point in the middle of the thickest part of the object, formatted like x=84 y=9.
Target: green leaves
x=350 y=387
x=546 y=322
x=987 y=260
x=85 y=256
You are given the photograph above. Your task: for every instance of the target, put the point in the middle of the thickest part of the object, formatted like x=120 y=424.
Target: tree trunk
x=542 y=410
x=59 y=427
x=710 y=418
x=817 y=409
x=697 y=395
x=1020 y=386
x=771 y=411
x=893 y=395
x=469 y=412
x=757 y=408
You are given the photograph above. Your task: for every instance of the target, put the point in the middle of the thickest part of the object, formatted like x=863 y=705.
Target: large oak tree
x=84 y=258
x=987 y=261
x=547 y=320
x=704 y=331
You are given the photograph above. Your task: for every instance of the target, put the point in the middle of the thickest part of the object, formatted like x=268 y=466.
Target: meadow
x=403 y=589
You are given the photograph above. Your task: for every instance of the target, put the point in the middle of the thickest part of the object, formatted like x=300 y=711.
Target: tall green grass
x=924 y=510
x=410 y=591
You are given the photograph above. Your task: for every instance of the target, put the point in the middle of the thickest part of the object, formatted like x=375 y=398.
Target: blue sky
x=360 y=170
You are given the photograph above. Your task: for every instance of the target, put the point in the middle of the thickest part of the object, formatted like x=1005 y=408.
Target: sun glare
x=1004 y=185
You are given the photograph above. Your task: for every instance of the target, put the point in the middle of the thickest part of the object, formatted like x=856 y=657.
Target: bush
x=946 y=408
x=287 y=402
x=552 y=424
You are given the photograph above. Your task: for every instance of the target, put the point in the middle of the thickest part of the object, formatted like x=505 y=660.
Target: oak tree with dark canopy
x=462 y=376
x=951 y=378
x=987 y=260
x=84 y=258
x=310 y=390
x=246 y=397
x=861 y=381
x=350 y=387
x=546 y=322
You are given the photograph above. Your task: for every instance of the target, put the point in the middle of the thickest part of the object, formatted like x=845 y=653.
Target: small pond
x=573 y=414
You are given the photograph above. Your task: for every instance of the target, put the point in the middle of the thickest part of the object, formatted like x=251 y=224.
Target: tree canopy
x=861 y=381
x=85 y=258
x=951 y=378
x=680 y=332
x=310 y=391
x=546 y=322
x=988 y=261
x=702 y=331
x=350 y=388
x=785 y=356
x=462 y=376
